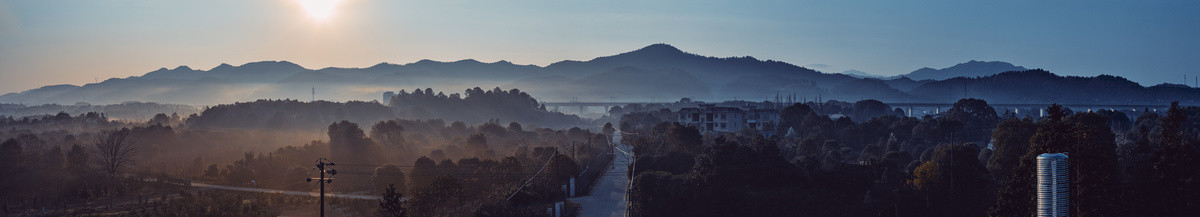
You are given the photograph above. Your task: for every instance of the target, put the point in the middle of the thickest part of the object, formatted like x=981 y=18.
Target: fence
x=591 y=174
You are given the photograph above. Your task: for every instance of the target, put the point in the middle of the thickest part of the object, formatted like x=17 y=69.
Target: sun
x=319 y=10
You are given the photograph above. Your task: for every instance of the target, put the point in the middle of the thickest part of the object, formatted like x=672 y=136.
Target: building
x=1052 y=185
x=387 y=97
x=763 y=120
x=710 y=118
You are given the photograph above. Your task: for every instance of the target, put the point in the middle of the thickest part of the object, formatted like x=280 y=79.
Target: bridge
x=555 y=106
x=911 y=108
x=919 y=109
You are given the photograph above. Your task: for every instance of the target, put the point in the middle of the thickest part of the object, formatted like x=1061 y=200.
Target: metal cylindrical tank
x=1052 y=185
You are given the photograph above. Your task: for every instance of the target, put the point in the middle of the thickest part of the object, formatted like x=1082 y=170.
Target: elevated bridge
x=911 y=108
x=555 y=106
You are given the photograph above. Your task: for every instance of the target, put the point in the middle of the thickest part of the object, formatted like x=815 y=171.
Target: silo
x=1052 y=185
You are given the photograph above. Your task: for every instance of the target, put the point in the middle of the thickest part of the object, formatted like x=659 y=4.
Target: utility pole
x=321 y=164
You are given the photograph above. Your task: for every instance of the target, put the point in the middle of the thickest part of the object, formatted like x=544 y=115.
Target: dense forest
x=477 y=106
x=89 y=164
x=828 y=159
x=931 y=166
x=441 y=167
x=130 y=111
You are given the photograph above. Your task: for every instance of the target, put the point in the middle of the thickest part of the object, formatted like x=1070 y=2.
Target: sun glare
x=319 y=10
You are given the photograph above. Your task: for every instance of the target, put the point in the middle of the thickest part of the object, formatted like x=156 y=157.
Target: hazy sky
x=45 y=42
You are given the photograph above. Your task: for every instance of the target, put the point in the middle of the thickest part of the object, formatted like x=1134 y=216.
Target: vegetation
x=477 y=106
x=867 y=161
x=932 y=166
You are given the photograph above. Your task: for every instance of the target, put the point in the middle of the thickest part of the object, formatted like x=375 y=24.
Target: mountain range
x=657 y=72
x=968 y=69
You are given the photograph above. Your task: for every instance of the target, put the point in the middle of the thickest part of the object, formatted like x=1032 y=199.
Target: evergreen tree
x=391 y=203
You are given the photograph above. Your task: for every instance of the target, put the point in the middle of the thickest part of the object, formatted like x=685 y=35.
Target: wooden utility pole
x=322 y=163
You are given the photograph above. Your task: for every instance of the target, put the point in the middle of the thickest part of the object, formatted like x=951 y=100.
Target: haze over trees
x=477 y=106
x=829 y=158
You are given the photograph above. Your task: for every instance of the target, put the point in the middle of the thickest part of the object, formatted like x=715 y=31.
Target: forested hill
x=968 y=69
x=1036 y=86
x=655 y=72
x=475 y=106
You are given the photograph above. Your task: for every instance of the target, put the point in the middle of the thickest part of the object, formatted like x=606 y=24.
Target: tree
x=391 y=203
x=388 y=133
x=792 y=116
x=445 y=191
x=684 y=138
x=478 y=146
x=1175 y=168
x=1089 y=141
x=348 y=144
x=977 y=117
x=113 y=153
x=160 y=119
x=1010 y=141
x=10 y=152
x=616 y=111
x=447 y=168
x=867 y=109
x=212 y=171
x=638 y=121
x=423 y=172
x=77 y=160
x=389 y=177
x=954 y=182
x=515 y=127
x=609 y=131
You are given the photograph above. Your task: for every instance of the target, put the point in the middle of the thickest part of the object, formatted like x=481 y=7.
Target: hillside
x=1040 y=86
x=968 y=69
x=657 y=72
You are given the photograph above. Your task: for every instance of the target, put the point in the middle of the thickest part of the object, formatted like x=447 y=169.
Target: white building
x=711 y=118
x=1052 y=185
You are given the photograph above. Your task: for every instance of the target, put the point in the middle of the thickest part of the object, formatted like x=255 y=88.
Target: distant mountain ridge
x=861 y=74
x=968 y=69
x=657 y=72
x=1040 y=86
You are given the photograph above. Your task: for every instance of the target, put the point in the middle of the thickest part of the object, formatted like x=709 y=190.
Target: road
x=608 y=198
x=298 y=193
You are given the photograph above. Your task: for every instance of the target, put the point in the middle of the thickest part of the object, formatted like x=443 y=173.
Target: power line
x=531 y=178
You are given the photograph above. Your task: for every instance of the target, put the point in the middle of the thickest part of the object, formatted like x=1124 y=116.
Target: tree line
x=904 y=166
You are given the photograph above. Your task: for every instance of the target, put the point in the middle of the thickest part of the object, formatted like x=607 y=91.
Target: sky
x=47 y=42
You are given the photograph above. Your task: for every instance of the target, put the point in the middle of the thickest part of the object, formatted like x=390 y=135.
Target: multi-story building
x=711 y=118
x=1053 y=194
x=763 y=120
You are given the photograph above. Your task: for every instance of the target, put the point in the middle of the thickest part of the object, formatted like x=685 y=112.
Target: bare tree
x=114 y=152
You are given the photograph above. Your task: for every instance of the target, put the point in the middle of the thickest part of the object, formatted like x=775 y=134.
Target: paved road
x=608 y=197
x=298 y=193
